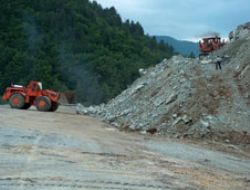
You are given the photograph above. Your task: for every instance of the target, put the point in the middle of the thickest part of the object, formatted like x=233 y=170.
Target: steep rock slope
x=188 y=97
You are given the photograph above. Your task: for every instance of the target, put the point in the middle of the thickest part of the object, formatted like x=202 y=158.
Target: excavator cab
x=210 y=44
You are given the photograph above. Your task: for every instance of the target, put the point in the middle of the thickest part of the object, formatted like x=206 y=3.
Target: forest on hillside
x=73 y=45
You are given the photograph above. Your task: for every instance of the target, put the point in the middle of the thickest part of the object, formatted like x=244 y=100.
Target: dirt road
x=64 y=151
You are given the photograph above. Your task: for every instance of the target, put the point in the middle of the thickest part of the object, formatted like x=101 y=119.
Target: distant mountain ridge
x=181 y=46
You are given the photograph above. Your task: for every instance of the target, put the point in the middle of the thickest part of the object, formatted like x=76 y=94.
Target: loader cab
x=34 y=87
x=37 y=86
x=32 y=90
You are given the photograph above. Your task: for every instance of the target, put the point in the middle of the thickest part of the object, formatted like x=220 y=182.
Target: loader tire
x=43 y=103
x=16 y=101
x=54 y=106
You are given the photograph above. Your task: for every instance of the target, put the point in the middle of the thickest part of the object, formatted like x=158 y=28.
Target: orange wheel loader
x=20 y=97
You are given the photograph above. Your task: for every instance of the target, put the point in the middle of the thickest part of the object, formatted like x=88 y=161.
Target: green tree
x=73 y=45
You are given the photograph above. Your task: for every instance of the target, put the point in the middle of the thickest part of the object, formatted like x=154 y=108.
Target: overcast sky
x=183 y=19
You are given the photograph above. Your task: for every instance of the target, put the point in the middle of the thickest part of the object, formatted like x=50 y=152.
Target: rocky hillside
x=187 y=97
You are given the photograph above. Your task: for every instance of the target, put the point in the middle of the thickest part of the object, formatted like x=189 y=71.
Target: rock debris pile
x=187 y=97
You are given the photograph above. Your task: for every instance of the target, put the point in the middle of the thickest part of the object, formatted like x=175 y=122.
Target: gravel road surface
x=65 y=151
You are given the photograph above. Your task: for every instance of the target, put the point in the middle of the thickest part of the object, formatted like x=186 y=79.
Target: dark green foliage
x=73 y=45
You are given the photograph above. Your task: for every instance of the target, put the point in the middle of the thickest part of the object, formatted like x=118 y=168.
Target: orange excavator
x=210 y=44
x=20 y=97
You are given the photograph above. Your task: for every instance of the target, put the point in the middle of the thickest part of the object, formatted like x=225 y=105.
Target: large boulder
x=241 y=32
